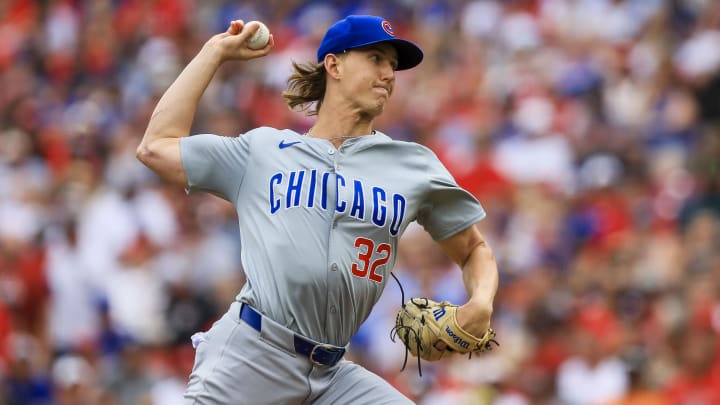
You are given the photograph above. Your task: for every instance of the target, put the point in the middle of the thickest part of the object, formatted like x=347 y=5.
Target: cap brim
x=409 y=54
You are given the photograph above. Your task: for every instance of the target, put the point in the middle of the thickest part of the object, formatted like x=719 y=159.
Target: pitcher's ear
x=333 y=65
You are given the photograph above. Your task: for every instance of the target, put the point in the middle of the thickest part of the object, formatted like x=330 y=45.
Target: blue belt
x=318 y=353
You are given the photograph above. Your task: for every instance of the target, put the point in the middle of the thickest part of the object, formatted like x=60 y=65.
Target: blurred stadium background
x=589 y=130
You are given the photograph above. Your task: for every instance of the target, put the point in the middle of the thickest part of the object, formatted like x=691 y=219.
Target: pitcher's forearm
x=480 y=275
x=173 y=115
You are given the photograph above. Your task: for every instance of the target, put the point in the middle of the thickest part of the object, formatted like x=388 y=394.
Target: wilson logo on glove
x=457 y=339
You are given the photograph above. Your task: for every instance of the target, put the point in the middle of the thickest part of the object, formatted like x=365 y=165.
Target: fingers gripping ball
x=260 y=38
x=421 y=323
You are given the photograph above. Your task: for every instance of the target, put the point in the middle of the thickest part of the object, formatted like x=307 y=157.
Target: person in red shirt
x=698 y=379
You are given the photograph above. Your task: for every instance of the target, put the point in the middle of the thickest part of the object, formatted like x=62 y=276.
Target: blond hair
x=306 y=87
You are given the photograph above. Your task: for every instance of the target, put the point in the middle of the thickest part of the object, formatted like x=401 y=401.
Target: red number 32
x=366 y=249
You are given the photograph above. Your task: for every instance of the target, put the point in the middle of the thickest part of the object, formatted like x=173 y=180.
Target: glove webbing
x=395 y=330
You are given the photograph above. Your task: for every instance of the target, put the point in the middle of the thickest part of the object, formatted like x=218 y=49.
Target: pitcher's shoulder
x=408 y=148
x=261 y=136
x=271 y=132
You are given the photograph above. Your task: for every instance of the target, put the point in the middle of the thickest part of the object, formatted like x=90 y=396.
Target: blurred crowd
x=588 y=129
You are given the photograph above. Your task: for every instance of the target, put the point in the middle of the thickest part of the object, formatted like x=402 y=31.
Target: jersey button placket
x=334 y=275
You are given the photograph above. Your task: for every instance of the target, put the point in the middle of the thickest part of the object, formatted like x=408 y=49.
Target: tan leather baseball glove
x=421 y=323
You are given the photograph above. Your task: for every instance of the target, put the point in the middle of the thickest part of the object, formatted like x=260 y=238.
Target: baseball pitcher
x=320 y=215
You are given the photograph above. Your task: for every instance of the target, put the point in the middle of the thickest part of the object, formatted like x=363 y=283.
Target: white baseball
x=260 y=38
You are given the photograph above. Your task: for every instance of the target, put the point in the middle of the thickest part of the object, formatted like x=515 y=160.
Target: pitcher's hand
x=232 y=44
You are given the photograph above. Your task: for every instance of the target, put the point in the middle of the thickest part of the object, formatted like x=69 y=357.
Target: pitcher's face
x=368 y=77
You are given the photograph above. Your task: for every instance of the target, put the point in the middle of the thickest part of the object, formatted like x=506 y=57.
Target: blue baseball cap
x=356 y=31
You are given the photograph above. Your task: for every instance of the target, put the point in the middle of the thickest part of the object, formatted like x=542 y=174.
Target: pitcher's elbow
x=143 y=153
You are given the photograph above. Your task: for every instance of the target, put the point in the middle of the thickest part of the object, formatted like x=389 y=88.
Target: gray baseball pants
x=237 y=364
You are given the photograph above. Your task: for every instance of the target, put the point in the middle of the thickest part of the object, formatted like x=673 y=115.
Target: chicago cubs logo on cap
x=388 y=28
x=357 y=31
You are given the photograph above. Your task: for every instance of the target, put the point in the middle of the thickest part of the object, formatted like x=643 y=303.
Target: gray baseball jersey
x=320 y=226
